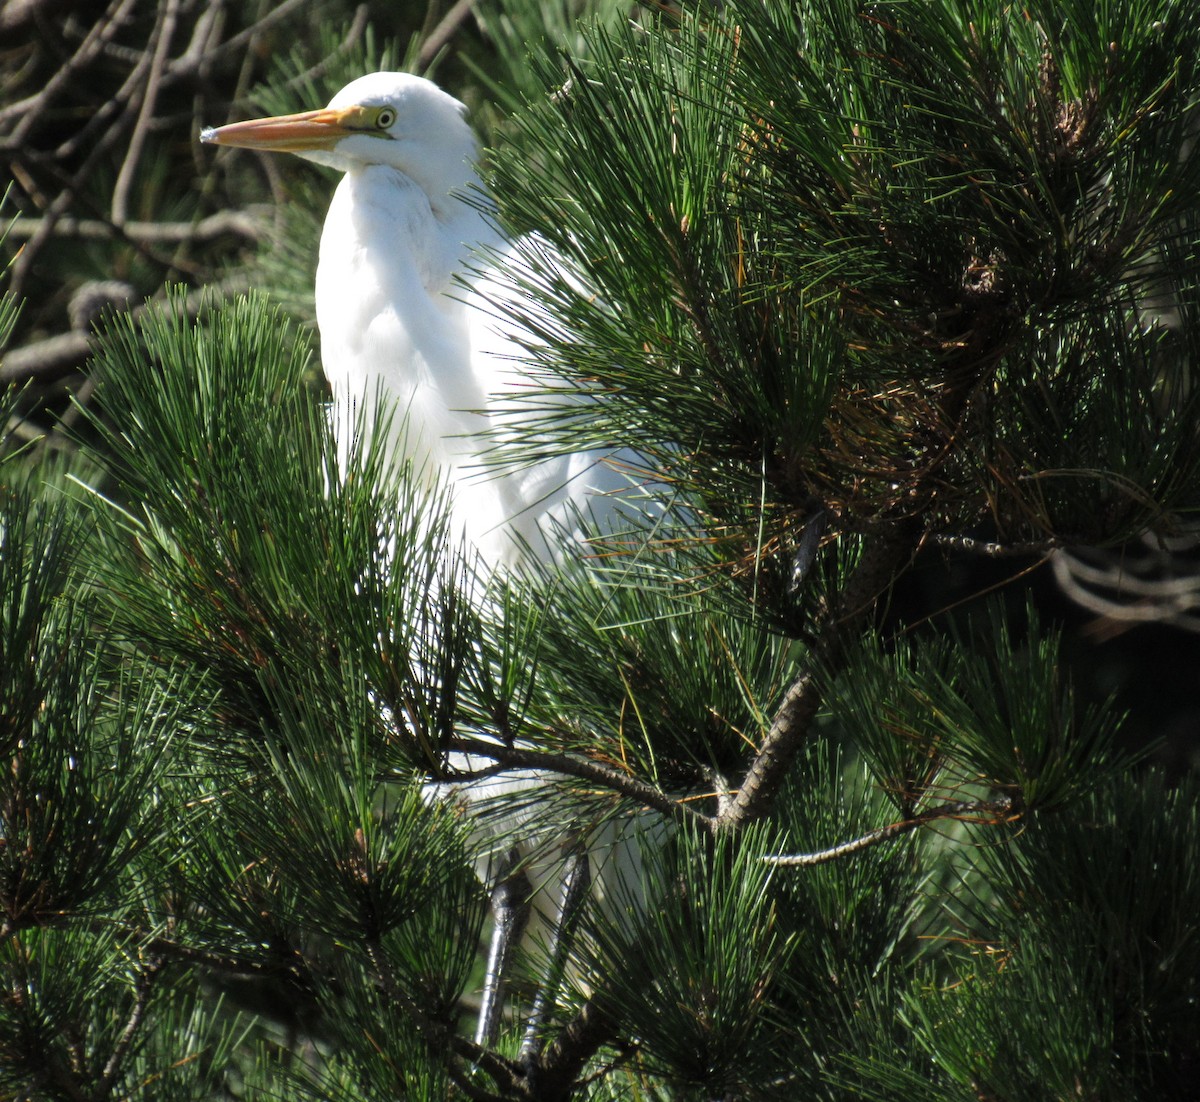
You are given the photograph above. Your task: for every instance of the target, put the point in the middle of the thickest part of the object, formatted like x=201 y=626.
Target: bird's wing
x=560 y=496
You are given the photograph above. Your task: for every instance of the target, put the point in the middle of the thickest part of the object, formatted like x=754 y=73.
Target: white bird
x=405 y=225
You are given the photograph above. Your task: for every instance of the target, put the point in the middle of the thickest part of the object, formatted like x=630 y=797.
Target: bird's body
x=393 y=323
x=405 y=227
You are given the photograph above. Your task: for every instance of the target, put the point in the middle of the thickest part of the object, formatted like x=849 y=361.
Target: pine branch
x=222 y=963
x=557 y=1070
x=517 y=757
x=144 y=984
x=959 y=809
x=441 y=1045
x=994 y=549
x=884 y=557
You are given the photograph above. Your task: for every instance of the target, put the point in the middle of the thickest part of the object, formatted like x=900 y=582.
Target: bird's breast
x=391 y=325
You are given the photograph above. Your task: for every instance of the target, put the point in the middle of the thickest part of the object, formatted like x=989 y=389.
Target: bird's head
x=394 y=119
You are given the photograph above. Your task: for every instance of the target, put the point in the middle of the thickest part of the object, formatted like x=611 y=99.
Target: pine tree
x=856 y=280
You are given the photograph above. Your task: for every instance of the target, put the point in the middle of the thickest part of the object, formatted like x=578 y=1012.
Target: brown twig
x=884 y=557
x=144 y=984
x=959 y=809
x=441 y=35
x=516 y=757
x=223 y=223
x=189 y=63
x=30 y=109
x=163 y=32
x=62 y=202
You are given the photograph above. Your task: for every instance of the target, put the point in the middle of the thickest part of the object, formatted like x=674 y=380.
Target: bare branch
x=441 y=35
x=975 y=810
x=62 y=202
x=144 y=985
x=517 y=757
x=29 y=109
x=190 y=62
x=16 y=14
x=46 y=360
x=994 y=550
x=882 y=560
x=247 y=223
x=163 y=33
x=1117 y=590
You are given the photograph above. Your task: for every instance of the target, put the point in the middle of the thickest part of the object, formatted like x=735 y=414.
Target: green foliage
x=83 y=740
x=642 y=176
x=850 y=279
x=857 y=915
x=658 y=674
x=1085 y=984
x=1116 y=887
x=686 y=957
x=255 y=556
x=71 y=1010
x=979 y=708
x=869 y=278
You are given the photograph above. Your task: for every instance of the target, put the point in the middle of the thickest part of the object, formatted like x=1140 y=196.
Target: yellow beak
x=321 y=129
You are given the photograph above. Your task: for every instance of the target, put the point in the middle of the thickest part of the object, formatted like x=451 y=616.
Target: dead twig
x=441 y=35
x=235 y=223
x=164 y=31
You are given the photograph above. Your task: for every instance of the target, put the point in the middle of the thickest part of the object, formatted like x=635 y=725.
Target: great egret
x=404 y=226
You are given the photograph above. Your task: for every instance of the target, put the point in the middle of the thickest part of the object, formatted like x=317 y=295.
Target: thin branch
x=73 y=186
x=1121 y=577
x=190 y=62
x=959 y=809
x=217 y=962
x=1171 y=601
x=29 y=110
x=440 y=36
x=239 y=223
x=517 y=757
x=206 y=34
x=504 y=1074
x=164 y=32
x=476 y=1094
x=45 y=360
x=145 y=983
x=994 y=550
x=882 y=560
x=16 y=14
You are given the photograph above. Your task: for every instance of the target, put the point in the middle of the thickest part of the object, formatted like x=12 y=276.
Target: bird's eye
x=385 y=118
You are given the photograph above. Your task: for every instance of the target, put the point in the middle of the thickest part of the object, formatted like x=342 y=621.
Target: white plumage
x=404 y=227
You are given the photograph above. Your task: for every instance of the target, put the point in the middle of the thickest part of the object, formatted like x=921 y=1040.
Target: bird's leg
x=510 y=915
x=576 y=880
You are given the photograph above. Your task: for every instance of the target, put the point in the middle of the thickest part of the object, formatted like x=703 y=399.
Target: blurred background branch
x=100 y=105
